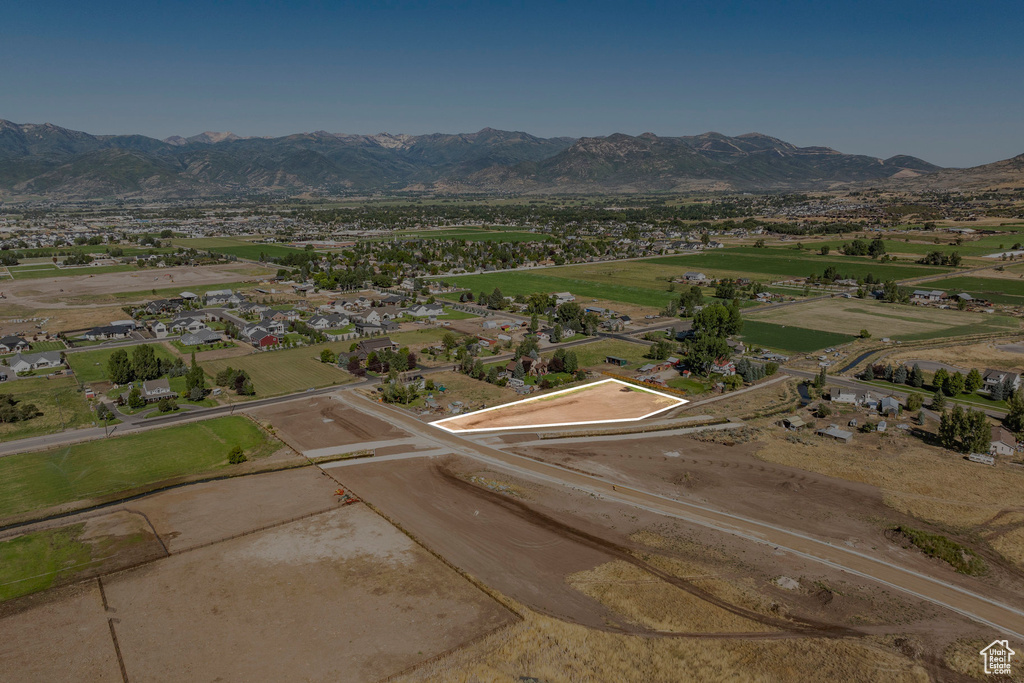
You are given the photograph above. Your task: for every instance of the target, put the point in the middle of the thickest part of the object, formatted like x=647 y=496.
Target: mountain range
x=47 y=160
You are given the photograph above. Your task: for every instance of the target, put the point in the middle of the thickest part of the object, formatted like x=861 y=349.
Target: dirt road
x=1005 y=619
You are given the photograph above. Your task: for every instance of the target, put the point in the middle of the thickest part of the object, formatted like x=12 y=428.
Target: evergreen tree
x=916 y=377
x=996 y=393
x=954 y=384
x=939 y=379
x=899 y=376
x=518 y=372
x=145 y=366
x=571 y=362
x=119 y=368
x=1014 y=419
x=938 y=400
x=869 y=373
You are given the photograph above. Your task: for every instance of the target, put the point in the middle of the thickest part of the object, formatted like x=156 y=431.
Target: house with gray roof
x=26 y=362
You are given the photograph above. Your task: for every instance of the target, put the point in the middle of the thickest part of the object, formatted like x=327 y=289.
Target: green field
x=240 y=248
x=62 y=404
x=95 y=469
x=32 y=562
x=789 y=338
x=570 y=279
x=91 y=366
x=475 y=235
x=997 y=290
x=285 y=372
x=770 y=263
x=592 y=355
x=35 y=272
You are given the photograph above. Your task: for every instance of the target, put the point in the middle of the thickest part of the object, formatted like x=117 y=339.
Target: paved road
x=1006 y=619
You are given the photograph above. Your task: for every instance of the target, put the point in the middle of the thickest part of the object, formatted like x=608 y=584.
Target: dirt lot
x=533 y=543
x=339 y=596
x=604 y=401
x=322 y=422
x=1001 y=355
x=53 y=293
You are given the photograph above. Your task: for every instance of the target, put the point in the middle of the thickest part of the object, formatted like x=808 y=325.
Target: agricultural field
x=63 y=406
x=94 y=469
x=592 y=355
x=773 y=263
x=91 y=366
x=612 y=282
x=284 y=372
x=901 y=322
x=236 y=247
x=998 y=290
x=790 y=337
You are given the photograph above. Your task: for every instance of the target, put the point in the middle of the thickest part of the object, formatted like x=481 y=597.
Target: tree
x=825 y=250
x=166 y=405
x=354 y=365
x=899 y=375
x=135 y=400
x=1014 y=419
x=938 y=400
x=940 y=378
x=869 y=373
x=954 y=385
x=864 y=334
x=327 y=356
x=518 y=372
x=119 y=368
x=916 y=377
x=534 y=323
x=996 y=393
x=914 y=401
x=821 y=378
x=571 y=362
x=973 y=381
x=145 y=365
x=823 y=410
x=236 y=455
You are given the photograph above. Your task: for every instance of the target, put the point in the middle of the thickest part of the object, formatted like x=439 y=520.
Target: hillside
x=1005 y=174
x=43 y=159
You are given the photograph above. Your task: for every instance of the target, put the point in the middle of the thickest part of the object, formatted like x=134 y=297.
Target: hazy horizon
x=866 y=78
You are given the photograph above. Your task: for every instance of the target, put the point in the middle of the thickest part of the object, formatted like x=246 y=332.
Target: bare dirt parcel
x=609 y=400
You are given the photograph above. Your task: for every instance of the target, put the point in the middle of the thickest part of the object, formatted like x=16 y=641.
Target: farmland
x=996 y=290
x=283 y=372
x=769 y=264
x=32 y=481
x=475 y=235
x=239 y=248
x=62 y=404
x=850 y=316
x=790 y=338
x=593 y=355
x=44 y=271
x=91 y=366
x=608 y=283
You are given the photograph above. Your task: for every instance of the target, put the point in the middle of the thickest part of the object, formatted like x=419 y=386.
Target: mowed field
x=236 y=247
x=283 y=372
x=42 y=271
x=91 y=366
x=790 y=337
x=90 y=470
x=850 y=316
x=63 y=406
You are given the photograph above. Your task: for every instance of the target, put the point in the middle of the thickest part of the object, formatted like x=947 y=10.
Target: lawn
x=62 y=404
x=95 y=469
x=906 y=323
x=199 y=348
x=31 y=563
x=285 y=372
x=452 y=314
x=425 y=336
x=39 y=347
x=593 y=355
x=790 y=338
x=91 y=366
x=31 y=272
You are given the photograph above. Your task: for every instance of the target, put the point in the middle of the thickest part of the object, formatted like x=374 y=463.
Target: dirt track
x=598 y=402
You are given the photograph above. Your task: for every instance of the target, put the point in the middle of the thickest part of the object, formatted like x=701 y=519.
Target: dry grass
x=964 y=657
x=984 y=355
x=643 y=599
x=554 y=651
x=472 y=392
x=955 y=492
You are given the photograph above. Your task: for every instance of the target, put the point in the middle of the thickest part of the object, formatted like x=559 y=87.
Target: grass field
x=39 y=347
x=615 y=283
x=997 y=290
x=62 y=404
x=905 y=323
x=285 y=372
x=475 y=235
x=137 y=291
x=593 y=355
x=30 y=563
x=239 y=248
x=770 y=263
x=32 y=272
x=91 y=366
x=790 y=338
x=32 y=481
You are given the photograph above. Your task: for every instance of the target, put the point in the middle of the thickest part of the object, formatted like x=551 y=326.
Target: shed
x=834 y=432
x=615 y=360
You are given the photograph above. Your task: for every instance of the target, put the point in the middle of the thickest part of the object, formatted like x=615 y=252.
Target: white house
x=426 y=311
x=1003 y=442
x=24 y=362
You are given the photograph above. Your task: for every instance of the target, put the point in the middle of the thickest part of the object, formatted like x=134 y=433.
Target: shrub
x=236 y=455
x=823 y=410
x=962 y=559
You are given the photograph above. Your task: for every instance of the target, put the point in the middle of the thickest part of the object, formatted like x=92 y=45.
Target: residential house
x=333 y=321
x=563 y=298
x=25 y=362
x=928 y=295
x=426 y=311
x=158 y=328
x=262 y=340
x=693 y=276
x=108 y=332
x=188 y=325
x=889 y=406
x=201 y=337
x=723 y=367
x=153 y=390
x=991 y=378
x=12 y=344
x=368 y=346
x=1003 y=442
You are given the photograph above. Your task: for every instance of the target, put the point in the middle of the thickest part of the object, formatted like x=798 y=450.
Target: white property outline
x=679 y=402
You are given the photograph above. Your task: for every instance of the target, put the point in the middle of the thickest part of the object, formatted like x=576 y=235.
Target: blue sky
x=942 y=80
